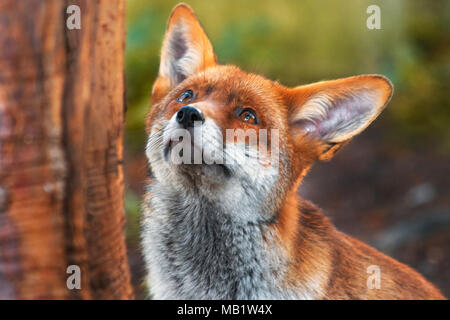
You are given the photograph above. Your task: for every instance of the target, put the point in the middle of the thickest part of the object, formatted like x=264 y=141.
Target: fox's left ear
x=186 y=50
x=332 y=112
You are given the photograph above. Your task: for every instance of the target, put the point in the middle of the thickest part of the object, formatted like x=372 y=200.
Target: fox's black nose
x=187 y=115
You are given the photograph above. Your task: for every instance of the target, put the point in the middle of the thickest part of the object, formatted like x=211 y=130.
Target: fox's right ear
x=186 y=50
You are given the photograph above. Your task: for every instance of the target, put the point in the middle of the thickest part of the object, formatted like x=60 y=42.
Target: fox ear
x=186 y=50
x=332 y=112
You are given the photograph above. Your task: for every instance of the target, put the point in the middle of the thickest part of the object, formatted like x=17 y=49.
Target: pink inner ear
x=178 y=48
x=338 y=119
x=178 y=44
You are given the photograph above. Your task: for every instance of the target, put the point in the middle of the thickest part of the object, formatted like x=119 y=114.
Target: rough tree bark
x=61 y=128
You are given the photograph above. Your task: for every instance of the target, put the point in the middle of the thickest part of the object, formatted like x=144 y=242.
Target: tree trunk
x=61 y=129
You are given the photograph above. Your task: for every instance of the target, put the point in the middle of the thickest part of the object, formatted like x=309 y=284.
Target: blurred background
x=390 y=187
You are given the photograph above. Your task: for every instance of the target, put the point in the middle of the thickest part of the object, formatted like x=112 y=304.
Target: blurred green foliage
x=298 y=42
x=132 y=208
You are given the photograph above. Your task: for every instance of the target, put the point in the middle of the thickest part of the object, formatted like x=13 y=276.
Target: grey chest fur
x=194 y=250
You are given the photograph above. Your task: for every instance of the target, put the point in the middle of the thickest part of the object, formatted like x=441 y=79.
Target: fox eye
x=185 y=96
x=247 y=115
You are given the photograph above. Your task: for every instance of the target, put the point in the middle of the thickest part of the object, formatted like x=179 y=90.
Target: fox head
x=229 y=134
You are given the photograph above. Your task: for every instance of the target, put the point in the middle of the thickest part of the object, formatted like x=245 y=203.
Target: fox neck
x=219 y=253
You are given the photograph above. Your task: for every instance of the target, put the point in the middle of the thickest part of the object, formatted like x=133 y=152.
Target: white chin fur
x=242 y=174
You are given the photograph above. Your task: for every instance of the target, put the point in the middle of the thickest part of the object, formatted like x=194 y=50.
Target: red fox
x=221 y=223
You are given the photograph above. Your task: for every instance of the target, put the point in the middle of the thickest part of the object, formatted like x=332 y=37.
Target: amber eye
x=186 y=96
x=247 y=115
